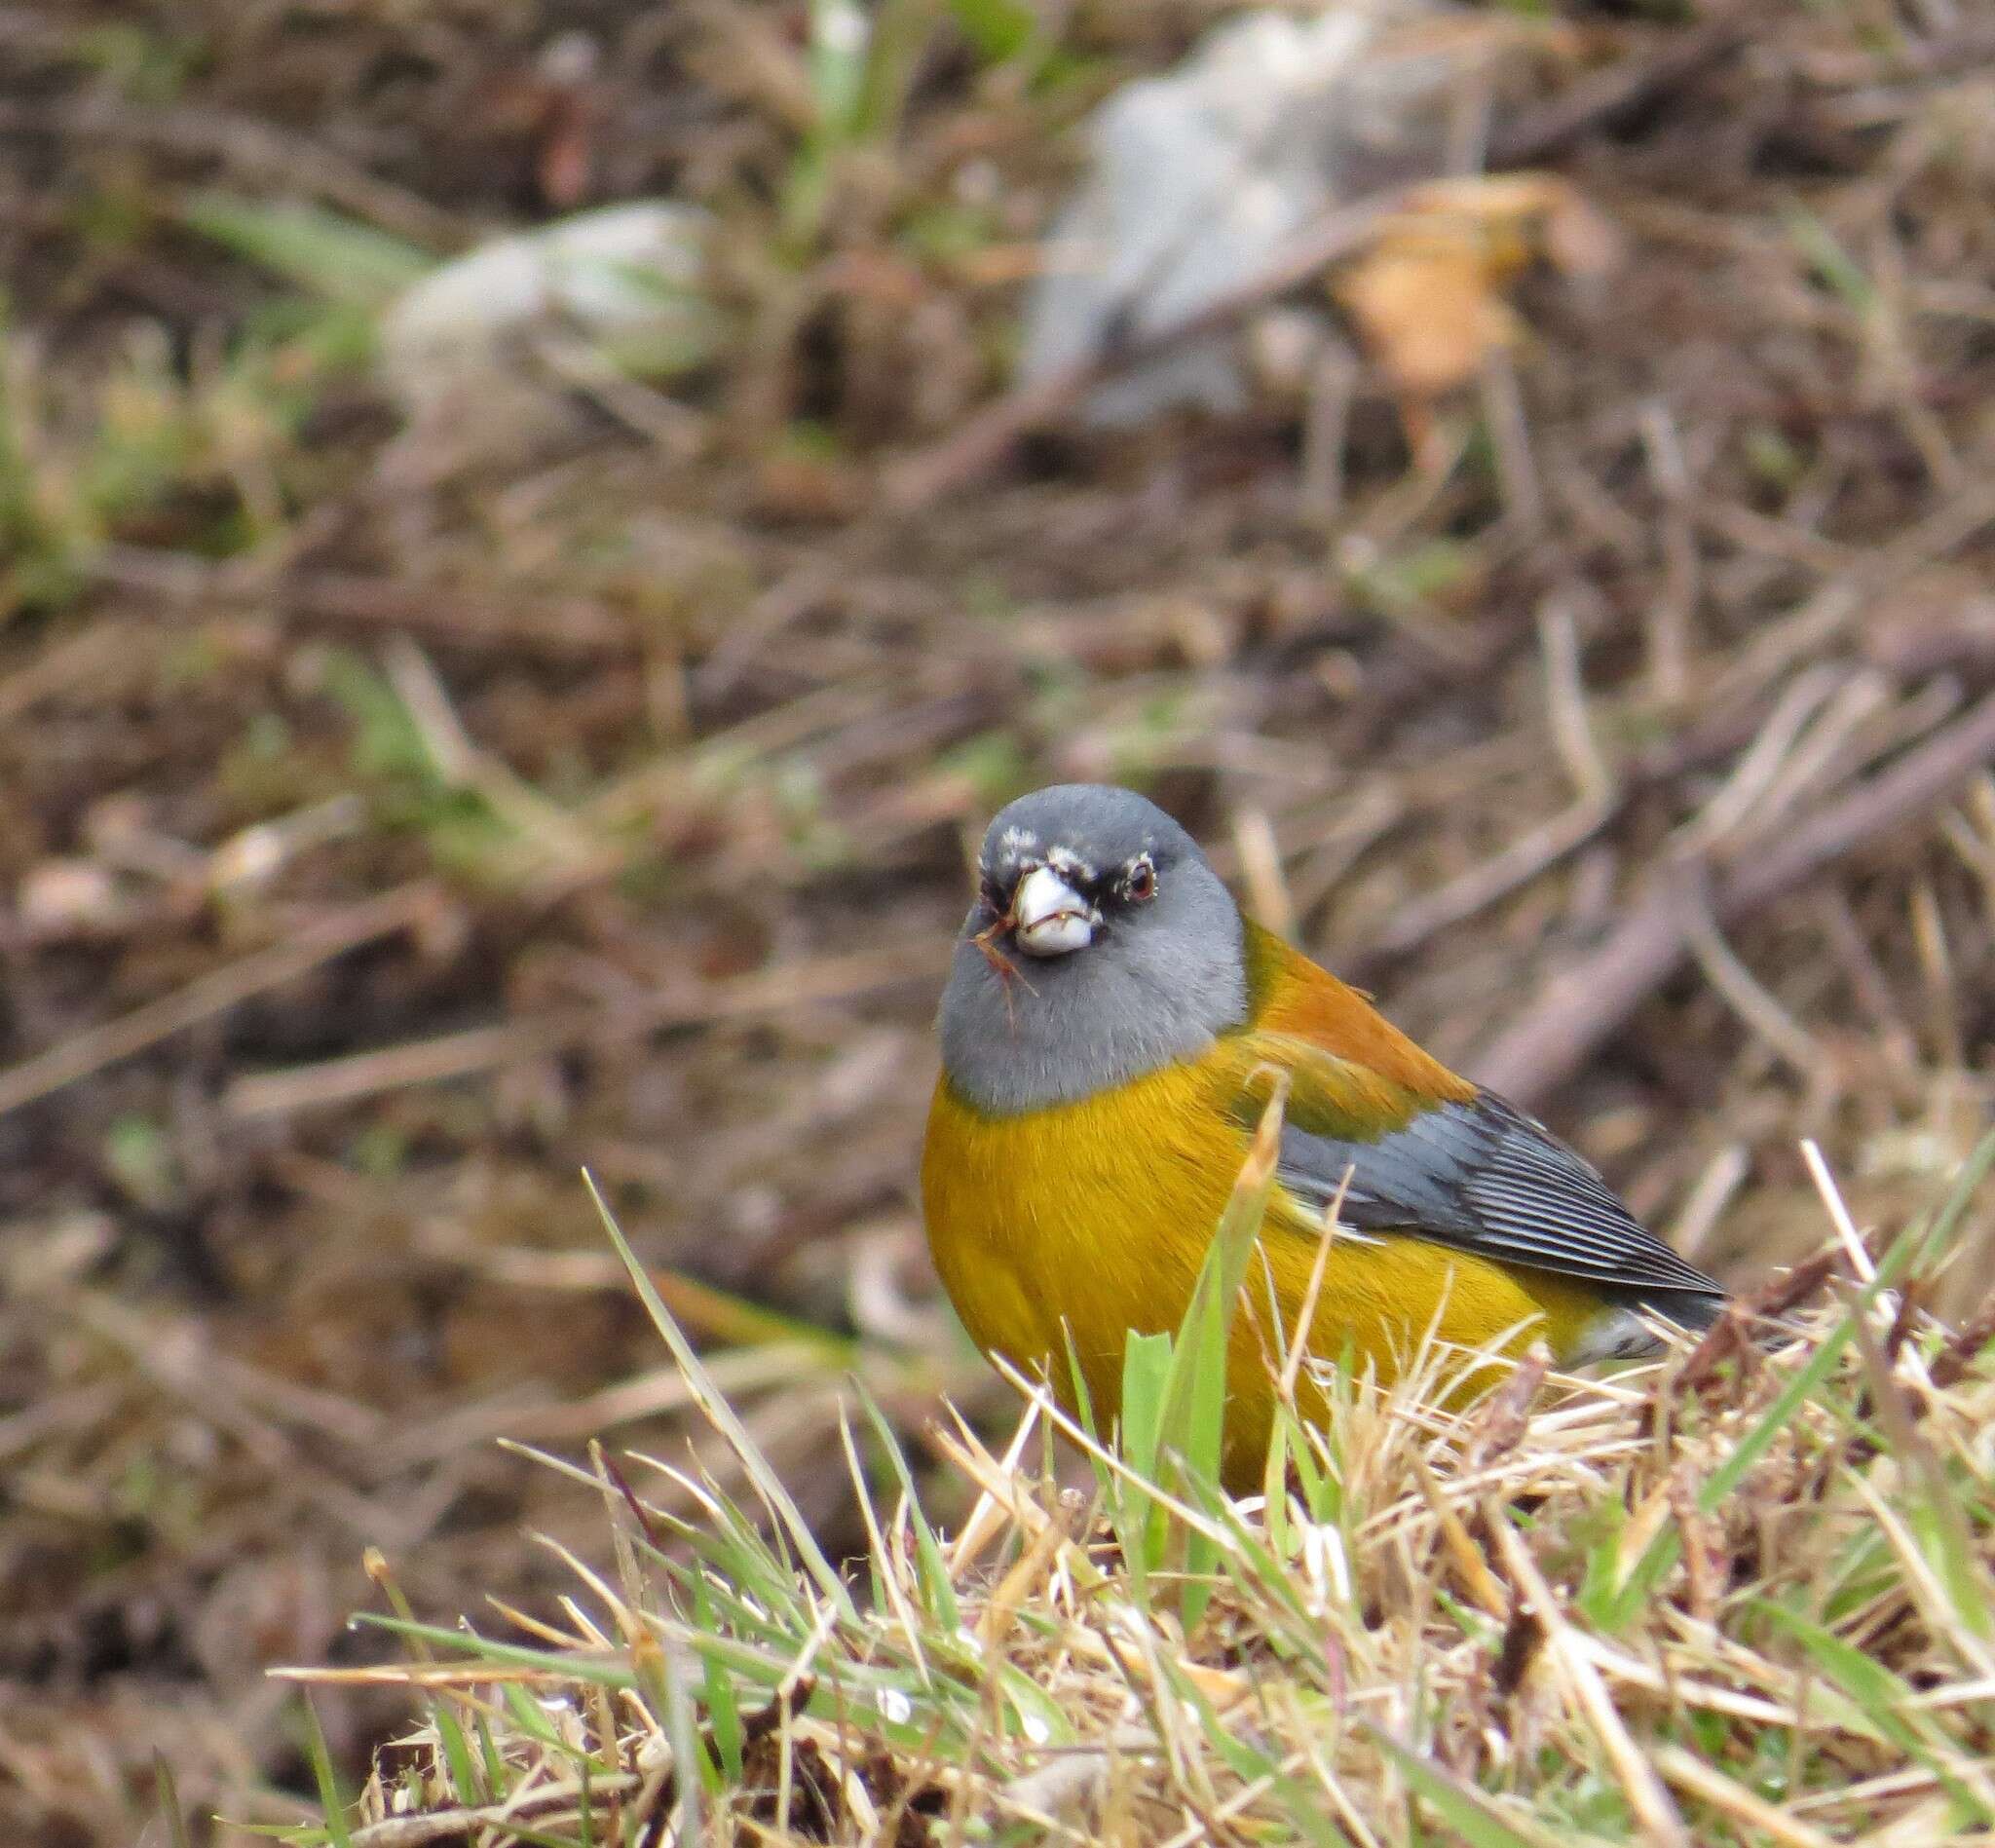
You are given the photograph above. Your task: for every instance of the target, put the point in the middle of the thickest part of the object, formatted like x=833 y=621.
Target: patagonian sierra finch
x=1107 y=1028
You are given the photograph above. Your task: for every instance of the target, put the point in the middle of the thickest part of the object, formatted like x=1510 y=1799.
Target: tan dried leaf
x=1429 y=295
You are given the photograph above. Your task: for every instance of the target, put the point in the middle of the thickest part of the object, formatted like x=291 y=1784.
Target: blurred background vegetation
x=428 y=769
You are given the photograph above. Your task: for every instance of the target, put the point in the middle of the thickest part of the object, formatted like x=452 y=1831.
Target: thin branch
x=215 y=992
x=481 y=1049
x=1623 y=85
x=1581 y=1007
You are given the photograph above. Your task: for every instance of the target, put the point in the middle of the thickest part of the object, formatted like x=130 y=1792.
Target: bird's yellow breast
x=1092 y=1218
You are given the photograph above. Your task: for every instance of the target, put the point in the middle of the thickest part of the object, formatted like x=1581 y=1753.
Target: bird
x=1109 y=1026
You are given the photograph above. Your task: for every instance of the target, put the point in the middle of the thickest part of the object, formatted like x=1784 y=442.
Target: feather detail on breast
x=1086 y=1218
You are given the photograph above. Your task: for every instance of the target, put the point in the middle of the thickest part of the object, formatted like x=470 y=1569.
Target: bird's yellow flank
x=1098 y=1214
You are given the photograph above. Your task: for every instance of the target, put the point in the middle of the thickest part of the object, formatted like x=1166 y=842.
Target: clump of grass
x=1742 y=1593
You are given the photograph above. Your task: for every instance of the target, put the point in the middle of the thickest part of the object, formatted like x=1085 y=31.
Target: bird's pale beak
x=1048 y=916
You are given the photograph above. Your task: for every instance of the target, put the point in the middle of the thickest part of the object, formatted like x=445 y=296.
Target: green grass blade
x=336 y=258
x=723 y=1712
x=1193 y=1425
x=528 y=1717
x=332 y=1802
x=1467 y=1811
x=1932 y=1242
x=457 y=1755
x=1729 y=1474
x=168 y=1799
x=1190 y=1423
x=1137 y=1519
x=496 y=1779
x=1885 y=1701
x=1240 y=1752
x=720 y=1414
x=938 y=1595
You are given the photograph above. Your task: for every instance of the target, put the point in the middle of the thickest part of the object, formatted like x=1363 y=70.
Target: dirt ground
x=393 y=825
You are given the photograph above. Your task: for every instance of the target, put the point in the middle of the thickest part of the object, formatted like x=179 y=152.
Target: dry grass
x=1738 y=1596
x=386 y=832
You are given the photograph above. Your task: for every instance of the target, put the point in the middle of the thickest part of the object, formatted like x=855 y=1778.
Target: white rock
x=59 y=895
x=1199 y=177
x=628 y=280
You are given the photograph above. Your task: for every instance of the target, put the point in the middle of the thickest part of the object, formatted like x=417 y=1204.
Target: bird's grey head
x=1101 y=946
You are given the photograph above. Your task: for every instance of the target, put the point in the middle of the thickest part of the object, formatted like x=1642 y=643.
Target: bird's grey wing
x=1483 y=1177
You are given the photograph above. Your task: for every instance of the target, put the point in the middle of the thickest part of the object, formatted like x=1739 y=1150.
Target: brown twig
x=1737 y=1333
x=1603 y=93
x=215 y=992
x=1957 y=1358
x=458 y=1055
x=1711 y=742
x=63 y=665
x=255 y=150
x=1581 y=1006
x=1964 y=644
x=1489 y=881
x=1969 y=641
x=566 y=630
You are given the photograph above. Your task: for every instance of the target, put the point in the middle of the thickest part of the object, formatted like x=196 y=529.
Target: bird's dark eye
x=987 y=891
x=1139 y=882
